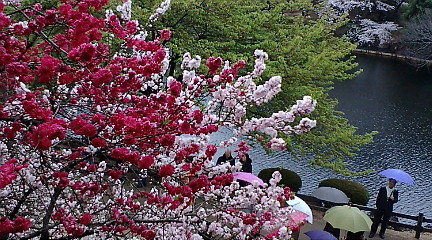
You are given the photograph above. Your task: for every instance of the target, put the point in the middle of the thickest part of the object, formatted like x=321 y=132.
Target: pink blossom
x=165 y=34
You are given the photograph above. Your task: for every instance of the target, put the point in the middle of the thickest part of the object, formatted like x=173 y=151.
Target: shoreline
x=392 y=55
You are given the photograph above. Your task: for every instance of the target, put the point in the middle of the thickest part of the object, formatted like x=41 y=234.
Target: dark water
x=394 y=99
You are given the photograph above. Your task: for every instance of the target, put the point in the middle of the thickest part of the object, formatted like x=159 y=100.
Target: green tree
x=302 y=48
x=416 y=7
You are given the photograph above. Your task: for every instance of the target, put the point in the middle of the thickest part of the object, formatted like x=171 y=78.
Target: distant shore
x=393 y=55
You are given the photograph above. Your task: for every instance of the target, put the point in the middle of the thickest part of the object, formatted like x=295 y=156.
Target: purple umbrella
x=320 y=235
x=398 y=175
x=247 y=177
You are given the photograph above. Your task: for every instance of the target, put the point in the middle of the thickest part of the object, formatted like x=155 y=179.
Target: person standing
x=226 y=157
x=387 y=196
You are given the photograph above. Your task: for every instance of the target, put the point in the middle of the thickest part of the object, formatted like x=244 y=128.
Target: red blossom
x=8 y=172
x=120 y=153
x=36 y=111
x=50 y=17
x=4 y=21
x=66 y=78
x=85 y=219
x=185 y=128
x=75 y=82
x=83 y=127
x=175 y=88
x=167 y=140
x=92 y=167
x=131 y=27
x=165 y=34
x=47 y=69
x=211 y=151
x=198 y=116
x=213 y=65
x=166 y=170
x=21 y=224
x=146 y=162
x=103 y=76
x=199 y=183
x=116 y=174
x=129 y=140
x=85 y=53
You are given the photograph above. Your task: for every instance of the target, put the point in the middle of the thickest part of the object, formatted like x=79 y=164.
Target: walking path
x=318 y=224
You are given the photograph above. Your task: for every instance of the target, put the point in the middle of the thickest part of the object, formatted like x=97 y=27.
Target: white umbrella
x=299 y=205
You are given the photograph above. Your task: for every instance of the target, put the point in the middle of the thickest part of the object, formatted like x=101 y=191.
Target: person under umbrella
x=320 y=235
x=348 y=218
x=355 y=236
x=333 y=231
x=387 y=196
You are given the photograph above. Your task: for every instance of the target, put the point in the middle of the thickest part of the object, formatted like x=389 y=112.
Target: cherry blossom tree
x=370 y=33
x=87 y=109
x=370 y=20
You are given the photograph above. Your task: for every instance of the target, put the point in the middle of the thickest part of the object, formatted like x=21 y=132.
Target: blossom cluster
x=345 y=7
x=372 y=33
x=87 y=111
x=365 y=31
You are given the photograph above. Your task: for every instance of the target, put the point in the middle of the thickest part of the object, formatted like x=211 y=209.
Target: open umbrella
x=247 y=177
x=320 y=235
x=398 y=175
x=348 y=218
x=299 y=205
x=297 y=218
x=331 y=195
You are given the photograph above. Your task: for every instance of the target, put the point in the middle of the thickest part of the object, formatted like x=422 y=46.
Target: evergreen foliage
x=416 y=7
x=289 y=178
x=356 y=192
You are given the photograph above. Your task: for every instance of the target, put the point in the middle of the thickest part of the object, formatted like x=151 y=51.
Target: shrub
x=356 y=192
x=289 y=178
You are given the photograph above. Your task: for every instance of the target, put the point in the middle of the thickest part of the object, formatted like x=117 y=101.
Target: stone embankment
x=417 y=61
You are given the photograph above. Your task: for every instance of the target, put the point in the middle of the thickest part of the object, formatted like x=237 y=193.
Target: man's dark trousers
x=381 y=213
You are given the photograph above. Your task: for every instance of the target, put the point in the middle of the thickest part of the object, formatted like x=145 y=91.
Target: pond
x=394 y=99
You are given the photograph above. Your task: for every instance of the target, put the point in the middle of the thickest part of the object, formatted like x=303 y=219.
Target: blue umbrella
x=398 y=175
x=320 y=235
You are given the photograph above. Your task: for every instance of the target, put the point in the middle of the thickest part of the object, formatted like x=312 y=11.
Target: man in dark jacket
x=387 y=196
x=226 y=158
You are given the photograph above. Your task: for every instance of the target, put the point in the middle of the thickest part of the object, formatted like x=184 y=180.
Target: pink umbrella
x=297 y=218
x=247 y=177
